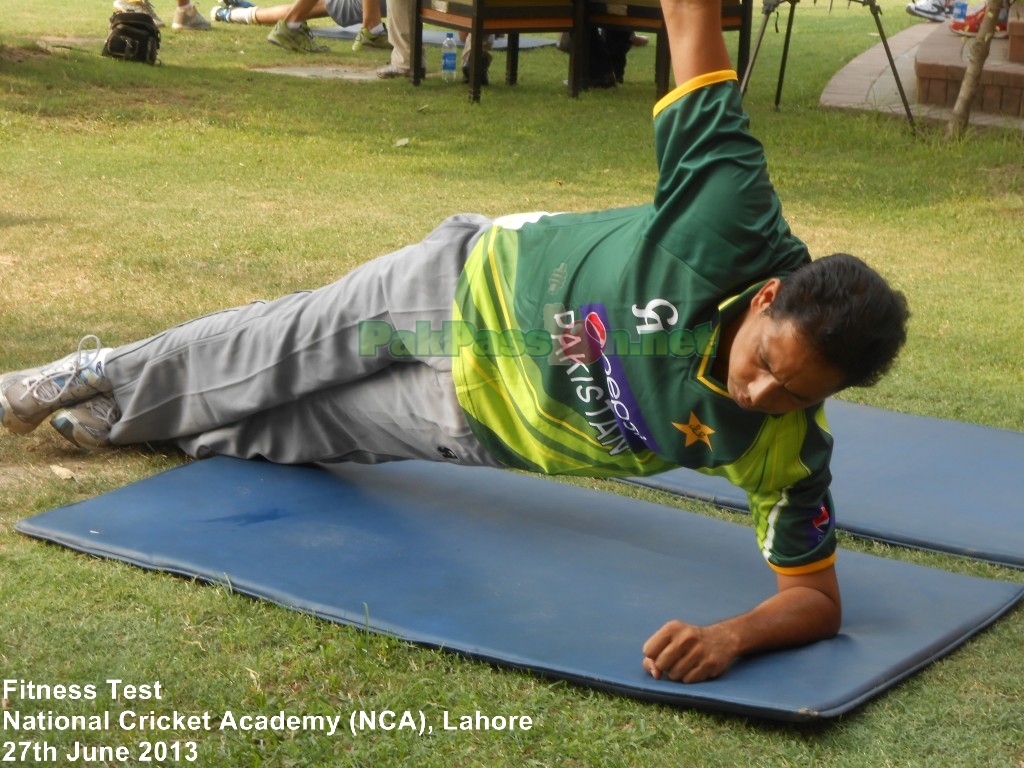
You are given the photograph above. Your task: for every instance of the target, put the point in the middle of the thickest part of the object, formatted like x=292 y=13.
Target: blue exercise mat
x=914 y=481
x=523 y=572
x=435 y=37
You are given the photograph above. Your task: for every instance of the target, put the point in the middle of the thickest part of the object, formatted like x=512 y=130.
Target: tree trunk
x=979 y=47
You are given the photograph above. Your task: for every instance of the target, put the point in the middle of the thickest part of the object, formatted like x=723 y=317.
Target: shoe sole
x=281 y=44
x=12 y=422
x=929 y=17
x=997 y=35
x=182 y=27
x=293 y=49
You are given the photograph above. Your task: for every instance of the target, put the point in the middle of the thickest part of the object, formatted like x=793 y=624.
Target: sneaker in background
x=240 y=13
x=138 y=6
x=189 y=18
x=969 y=26
x=299 y=40
x=366 y=39
x=87 y=425
x=933 y=10
x=390 y=72
x=27 y=397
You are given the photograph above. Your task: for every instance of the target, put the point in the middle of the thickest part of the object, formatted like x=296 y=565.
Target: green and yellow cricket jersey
x=595 y=333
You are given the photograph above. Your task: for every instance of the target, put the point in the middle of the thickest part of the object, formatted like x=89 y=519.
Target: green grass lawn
x=134 y=197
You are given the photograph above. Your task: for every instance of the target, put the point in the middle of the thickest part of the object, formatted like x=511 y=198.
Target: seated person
x=345 y=13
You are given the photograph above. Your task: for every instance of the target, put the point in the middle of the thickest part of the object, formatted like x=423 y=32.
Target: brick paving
x=926 y=55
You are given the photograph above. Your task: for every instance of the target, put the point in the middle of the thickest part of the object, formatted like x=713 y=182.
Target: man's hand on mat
x=805 y=608
x=688 y=653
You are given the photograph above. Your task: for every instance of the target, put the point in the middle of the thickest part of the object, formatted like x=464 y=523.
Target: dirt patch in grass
x=48 y=46
x=11 y=476
x=20 y=54
x=327 y=72
x=59 y=44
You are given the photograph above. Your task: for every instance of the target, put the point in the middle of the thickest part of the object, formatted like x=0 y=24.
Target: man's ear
x=766 y=295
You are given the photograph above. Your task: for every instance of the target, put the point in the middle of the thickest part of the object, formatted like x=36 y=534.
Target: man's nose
x=760 y=390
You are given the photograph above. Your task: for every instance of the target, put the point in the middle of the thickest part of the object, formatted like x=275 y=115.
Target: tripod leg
x=757 y=46
x=876 y=12
x=785 y=53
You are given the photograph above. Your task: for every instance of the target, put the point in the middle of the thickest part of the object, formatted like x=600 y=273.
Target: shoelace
x=104 y=409
x=46 y=390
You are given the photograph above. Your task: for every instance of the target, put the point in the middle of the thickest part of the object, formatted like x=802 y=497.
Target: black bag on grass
x=133 y=37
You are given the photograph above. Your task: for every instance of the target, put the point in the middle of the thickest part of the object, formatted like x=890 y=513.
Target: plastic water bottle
x=960 y=11
x=449 y=58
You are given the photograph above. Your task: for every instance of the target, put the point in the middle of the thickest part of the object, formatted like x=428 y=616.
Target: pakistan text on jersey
x=454 y=336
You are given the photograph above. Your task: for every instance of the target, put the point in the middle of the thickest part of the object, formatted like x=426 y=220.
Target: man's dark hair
x=848 y=313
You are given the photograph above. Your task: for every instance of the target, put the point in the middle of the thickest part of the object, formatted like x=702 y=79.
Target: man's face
x=772 y=368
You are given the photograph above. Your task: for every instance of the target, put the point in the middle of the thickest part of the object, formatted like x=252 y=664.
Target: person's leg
x=403 y=412
x=467 y=43
x=299 y=12
x=400 y=37
x=619 y=42
x=224 y=368
x=270 y=14
x=372 y=14
x=276 y=13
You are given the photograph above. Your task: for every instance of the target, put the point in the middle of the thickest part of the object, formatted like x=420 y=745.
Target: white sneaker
x=27 y=397
x=189 y=18
x=390 y=71
x=138 y=6
x=933 y=10
x=87 y=425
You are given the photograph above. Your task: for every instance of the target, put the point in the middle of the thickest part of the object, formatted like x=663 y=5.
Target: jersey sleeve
x=794 y=516
x=715 y=207
x=786 y=476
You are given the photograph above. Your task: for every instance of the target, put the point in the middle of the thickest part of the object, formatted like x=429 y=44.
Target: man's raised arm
x=806 y=606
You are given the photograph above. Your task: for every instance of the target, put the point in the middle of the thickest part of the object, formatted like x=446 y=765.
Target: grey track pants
x=285 y=380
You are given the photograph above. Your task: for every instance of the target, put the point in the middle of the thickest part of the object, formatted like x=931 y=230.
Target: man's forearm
x=806 y=608
x=796 y=616
x=695 y=38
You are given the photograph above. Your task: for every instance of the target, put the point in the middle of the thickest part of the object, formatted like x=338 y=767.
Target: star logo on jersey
x=695 y=432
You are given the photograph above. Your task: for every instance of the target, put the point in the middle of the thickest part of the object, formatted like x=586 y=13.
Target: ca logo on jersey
x=651 y=319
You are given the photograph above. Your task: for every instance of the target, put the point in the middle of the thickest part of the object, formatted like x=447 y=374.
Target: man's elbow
x=833 y=627
x=831 y=619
